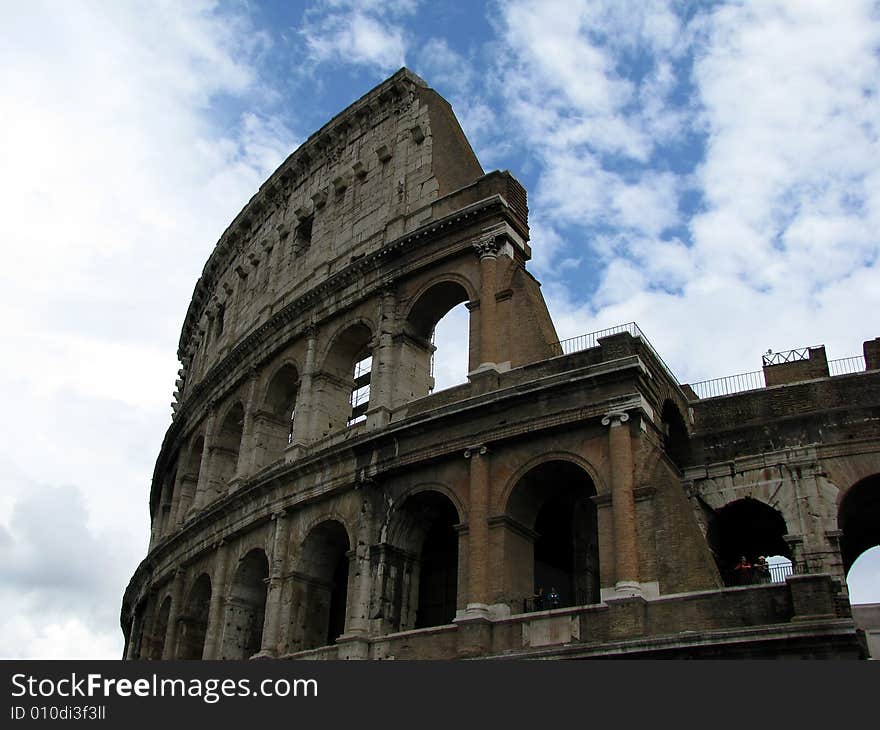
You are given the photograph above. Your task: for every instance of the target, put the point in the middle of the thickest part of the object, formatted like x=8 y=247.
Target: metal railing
x=547 y=602
x=591 y=339
x=847 y=365
x=754 y=380
x=729 y=384
x=779 y=358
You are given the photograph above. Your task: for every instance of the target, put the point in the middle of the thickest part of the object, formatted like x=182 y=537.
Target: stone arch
x=430 y=304
x=227 y=444
x=194 y=620
x=274 y=424
x=858 y=518
x=676 y=439
x=337 y=385
x=321 y=585
x=418 y=566
x=527 y=466
x=246 y=607
x=749 y=528
x=189 y=477
x=551 y=536
x=160 y=629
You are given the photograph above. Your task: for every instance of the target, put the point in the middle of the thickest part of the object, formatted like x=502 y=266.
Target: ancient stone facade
x=314 y=498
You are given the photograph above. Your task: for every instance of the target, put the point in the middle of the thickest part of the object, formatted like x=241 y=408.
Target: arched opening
x=246 y=607
x=227 y=445
x=553 y=534
x=275 y=426
x=437 y=346
x=323 y=585
x=190 y=478
x=194 y=621
x=746 y=529
x=675 y=433
x=160 y=630
x=858 y=518
x=342 y=388
x=418 y=568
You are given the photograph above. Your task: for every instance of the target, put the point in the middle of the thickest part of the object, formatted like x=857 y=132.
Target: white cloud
x=357 y=32
x=125 y=154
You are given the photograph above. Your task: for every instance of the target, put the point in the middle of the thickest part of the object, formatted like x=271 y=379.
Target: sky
x=710 y=170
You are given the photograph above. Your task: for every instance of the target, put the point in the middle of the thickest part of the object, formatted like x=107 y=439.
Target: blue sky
x=709 y=170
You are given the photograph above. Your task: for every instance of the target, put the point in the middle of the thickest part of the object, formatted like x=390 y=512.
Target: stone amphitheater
x=315 y=498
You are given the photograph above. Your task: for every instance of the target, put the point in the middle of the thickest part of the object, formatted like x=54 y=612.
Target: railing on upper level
x=591 y=339
x=754 y=380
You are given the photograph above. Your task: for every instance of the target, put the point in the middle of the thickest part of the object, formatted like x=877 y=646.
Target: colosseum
x=315 y=498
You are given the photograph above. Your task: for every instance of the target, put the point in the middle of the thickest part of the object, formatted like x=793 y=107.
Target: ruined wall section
x=366 y=178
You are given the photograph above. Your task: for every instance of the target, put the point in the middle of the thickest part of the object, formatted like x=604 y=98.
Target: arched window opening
x=417 y=569
x=228 y=444
x=741 y=533
x=859 y=520
x=342 y=387
x=194 y=621
x=246 y=607
x=554 y=501
x=276 y=422
x=321 y=585
x=360 y=392
x=676 y=438
x=450 y=350
x=436 y=350
x=160 y=630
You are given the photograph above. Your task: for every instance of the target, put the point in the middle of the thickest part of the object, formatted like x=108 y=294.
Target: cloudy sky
x=710 y=170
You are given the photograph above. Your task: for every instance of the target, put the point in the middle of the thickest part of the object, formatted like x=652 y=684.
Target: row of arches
x=416 y=575
x=750 y=528
x=437 y=323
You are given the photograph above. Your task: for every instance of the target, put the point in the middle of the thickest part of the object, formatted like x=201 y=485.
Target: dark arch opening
x=160 y=630
x=438 y=342
x=858 y=518
x=228 y=444
x=194 y=622
x=554 y=500
x=280 y=412
x=324 y=583
x=246 y=607
x=745 y=528
x=343 y=385
x=675 y=433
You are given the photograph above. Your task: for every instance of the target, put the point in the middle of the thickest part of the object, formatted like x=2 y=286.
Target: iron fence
x=739 y=383
x=847 y=365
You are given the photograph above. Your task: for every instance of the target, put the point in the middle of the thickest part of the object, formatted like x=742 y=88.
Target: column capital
x=487 y=246
x=477 y=450
x=615 y=418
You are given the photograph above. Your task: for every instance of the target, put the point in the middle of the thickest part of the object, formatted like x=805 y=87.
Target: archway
x=342 y=388
x=437 y=346
x=746 y=528
x=160 y=630
x=276 y=421
x=676 y=438
x=227 y=445
x=858 y=518
x=418 y=566
x=194 y=621
x=323 y=585
x=246 y=607
x=559 y=565
x=190 y=478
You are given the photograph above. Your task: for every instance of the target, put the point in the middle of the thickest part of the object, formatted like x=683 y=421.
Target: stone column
x=487 y=250
x=214 y=634
x=382 y=375
x=623 y=508
x=358 y=613
x=302 y=424
x=478 y=529
x=169 y=651
x=244 y=467
x=202 y=486
x=271 y=624
x=174 y=517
